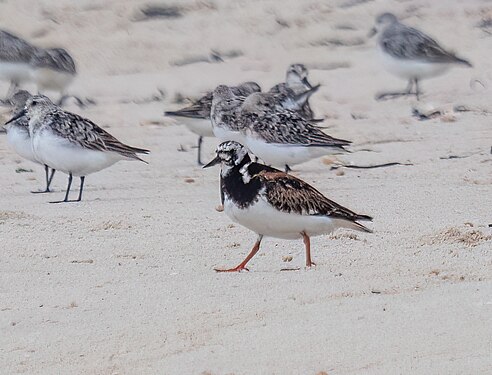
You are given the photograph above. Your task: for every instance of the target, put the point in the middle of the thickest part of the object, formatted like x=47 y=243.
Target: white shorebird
x=18 y=135
x=410 y=54
x=70 y=143
x=275 y=204
x=196 y=117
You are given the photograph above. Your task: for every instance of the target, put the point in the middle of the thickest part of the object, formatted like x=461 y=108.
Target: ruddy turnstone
x=197 y=116
x=275 y=204
x=410 y=54
x=280 y=137
x=15 y=57
x=70 y=143
x=54 y=70
x=18 y=135
x=295 y=92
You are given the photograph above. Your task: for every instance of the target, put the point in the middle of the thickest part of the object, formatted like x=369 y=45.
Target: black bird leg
x=49 y=178
x=82 y=179
x=200 y=140
x=417 y=91
x=287 y=169
x=407 y=92
x=70 y=177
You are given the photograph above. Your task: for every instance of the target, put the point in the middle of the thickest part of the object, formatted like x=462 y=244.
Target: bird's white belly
x=49 y=79
x=408 y=69
x=279 y=155
x=60 y=154
x=20 y=141
x=199 y=126
x=15 y=71
x=263 y=218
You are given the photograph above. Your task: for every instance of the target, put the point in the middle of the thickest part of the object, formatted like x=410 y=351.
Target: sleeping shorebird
x=275 y=204
x=70 y=143
x=280 y=137
x=296 y=91
x=15 y=57
x=18 y=135
x=196 y=117
x=410 y=54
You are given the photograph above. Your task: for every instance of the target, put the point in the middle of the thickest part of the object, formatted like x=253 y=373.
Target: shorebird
x=196 y=117
x=53 y=69
x=410 y=54
x=15 y=57
x=280 y=137
x=18 y=135
x=70 y=143
x=272 y=203
x=295 y=92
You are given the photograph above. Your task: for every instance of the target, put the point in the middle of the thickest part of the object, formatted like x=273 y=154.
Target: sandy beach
x=124 y=282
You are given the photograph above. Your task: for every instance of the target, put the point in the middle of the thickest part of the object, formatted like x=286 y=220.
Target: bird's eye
x=34 y=103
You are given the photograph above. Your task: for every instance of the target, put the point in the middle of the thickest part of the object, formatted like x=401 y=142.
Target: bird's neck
x=239 y=185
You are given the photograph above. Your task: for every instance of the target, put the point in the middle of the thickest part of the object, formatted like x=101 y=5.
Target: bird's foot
x=235 y=269
x=219 y=208
x=41 y=191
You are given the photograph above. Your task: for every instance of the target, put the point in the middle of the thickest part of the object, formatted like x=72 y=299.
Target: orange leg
x=307 y=244
x=242 y=265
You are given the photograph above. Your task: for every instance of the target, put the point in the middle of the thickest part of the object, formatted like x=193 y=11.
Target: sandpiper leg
x=417 y=91
x=393 y=95
x=287 y=169
x=70 y=177
x=242 y=265
x=82 y=179
x=49 y=178
x=307 y=244
x=200 y=140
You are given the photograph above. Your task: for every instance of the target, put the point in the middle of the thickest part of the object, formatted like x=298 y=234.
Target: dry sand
x=123 y=283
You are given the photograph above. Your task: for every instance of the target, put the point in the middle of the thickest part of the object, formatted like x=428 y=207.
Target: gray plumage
x=226 y=109
x=14 y=49
x=54 y=58
x=404 y=42
x=295 y=92
x=201 y=108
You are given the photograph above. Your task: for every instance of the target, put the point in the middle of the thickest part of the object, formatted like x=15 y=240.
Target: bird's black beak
x=213 y=162
x=372 y=32
x=306 y=82
x=17 y=116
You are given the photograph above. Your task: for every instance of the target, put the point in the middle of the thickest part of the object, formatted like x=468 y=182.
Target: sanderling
x=54 y=69
x=280 y=137
x=70 y=143
x=15 y=57
x=296 y=91
x=410 y=54
x=275 y=204
x=197 y=116
x=18 y=135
